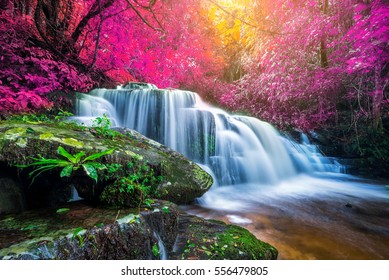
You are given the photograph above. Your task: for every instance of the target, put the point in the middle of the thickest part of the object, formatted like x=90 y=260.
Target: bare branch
x=143 y=18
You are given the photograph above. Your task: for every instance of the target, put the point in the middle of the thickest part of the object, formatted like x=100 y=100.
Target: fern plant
x=69 y=164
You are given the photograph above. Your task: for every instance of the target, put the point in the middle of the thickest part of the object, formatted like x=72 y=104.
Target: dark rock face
x=20 y=142
x=11 y=196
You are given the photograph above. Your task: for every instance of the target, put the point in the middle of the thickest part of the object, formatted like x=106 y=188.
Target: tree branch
x=98 y=36
x=93 y=11
x=143 y=19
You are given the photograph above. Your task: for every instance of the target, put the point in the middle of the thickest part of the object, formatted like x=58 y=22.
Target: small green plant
x=62 y=115
x=134 y=219
x=112 y=169
x=136 y=185
x=69 y=164
x=141 y=180
x=31 y=118
x=102 y=126
x=155 y=250
x=189 y=246
x=78 y=234
x=148 y=202
x=62 y=210
x=214 y=250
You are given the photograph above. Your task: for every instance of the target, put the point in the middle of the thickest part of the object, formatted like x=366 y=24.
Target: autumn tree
x=162 y=42
x=307 y=58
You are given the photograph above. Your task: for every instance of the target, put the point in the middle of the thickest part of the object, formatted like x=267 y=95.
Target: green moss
x=134 y=155
x=238 y=242
x=21 y=142
x=14 y=133
x=202 y=177
x=211 y=239
x=46 y=136
x=72 y=142
x=114 y=198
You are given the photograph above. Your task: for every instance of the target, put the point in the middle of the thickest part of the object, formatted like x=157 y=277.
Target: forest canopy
x=297 y=64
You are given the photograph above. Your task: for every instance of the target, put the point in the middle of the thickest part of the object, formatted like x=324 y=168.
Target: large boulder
x=179 y=180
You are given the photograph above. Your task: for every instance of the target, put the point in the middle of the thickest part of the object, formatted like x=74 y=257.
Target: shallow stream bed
x=326 y=216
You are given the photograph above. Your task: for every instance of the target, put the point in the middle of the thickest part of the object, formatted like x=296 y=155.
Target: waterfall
x=235 y=149
x=161 y=247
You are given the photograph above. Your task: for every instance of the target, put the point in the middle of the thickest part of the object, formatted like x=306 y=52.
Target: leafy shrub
x=72 y=163
x=27 y=72
x=136 y=187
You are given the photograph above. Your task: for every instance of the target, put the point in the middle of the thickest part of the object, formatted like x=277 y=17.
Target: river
x=324 y=216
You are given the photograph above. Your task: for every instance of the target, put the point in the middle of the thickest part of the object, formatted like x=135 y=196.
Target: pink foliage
x=291 y=84
x=176 y=51
x=28 y=73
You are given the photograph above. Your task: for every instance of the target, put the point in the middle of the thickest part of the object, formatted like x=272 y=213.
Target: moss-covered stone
x=113 y=195
x=209 y=239
x=83 y=232
x=21 y=142
x=248 y=246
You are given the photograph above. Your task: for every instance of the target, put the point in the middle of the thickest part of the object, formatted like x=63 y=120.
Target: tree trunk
x=377 y=101
x=323 y=48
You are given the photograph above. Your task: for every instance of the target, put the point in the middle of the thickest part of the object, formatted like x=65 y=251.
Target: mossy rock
x=20 y=142
x=201 y=239
x=80 y=232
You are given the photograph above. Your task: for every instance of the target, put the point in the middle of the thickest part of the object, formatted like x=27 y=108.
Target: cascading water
x=163 y=255
x=237 y=149
x=285 y=192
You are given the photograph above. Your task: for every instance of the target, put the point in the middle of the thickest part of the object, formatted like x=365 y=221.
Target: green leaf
x=148 y=202
x=90 y=171
x=99 y=155
x=30 y=227
x=77 y=231
x=67 y=171
x=62 y=210
x=97 y=165
x=35 y=173
x=64 y=153
x=155 y=250
x=43 y=161
x=78 y=156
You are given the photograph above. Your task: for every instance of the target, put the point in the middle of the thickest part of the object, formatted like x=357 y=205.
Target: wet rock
x=138 y=85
